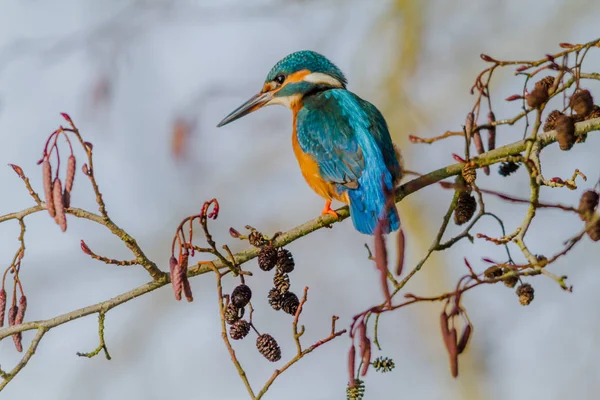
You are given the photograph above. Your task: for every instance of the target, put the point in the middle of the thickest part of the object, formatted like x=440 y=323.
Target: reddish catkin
x=366 y=357
x=48 y=187
x=21 y=310
x=12 y=317
x=185 y=283
x=351 y=362
x=464 y=339
x=57 y=194
x=176 y=277
x=71 y=165
x=2 y=306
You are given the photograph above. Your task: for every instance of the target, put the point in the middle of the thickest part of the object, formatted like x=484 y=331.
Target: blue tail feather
x=367 y=205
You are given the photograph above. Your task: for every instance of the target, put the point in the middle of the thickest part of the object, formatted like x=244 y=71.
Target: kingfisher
x=341 y=141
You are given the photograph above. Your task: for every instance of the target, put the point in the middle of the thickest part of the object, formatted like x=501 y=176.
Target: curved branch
x=283 y=239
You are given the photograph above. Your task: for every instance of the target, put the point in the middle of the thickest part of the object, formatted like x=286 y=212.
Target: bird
x=342 y=142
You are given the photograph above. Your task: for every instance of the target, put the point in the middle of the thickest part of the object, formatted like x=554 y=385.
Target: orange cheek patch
x=296 y=76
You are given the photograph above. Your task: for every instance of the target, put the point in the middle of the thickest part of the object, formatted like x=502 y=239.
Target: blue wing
x=327 y=131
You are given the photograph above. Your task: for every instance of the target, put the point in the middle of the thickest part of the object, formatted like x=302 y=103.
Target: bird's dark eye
x=280 y=78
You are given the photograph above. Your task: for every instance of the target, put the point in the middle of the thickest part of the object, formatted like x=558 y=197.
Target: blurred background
x=147 y=81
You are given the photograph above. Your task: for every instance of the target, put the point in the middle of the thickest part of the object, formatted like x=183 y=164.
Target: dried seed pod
x=582 y=102
x=465 y=208
x=594 y=232
x=469 y=173
x=383 y=364
x=285 y=261
x=493 y=272
x=565 y=132
x=537 y=97
x=241 y=295
x=464 y=339
x=267 y=258
x=2 y=306
x=512 y=280
x=281 y=281
x=21 y=310
x=256 y=239
x=595 y=113
x=268 y=347
x=289 y=303
x=491 y=131
x=525 y=293
x=550 y=123
x=275 y=299
x=546 y=82
x=48 y=192
x=587 y=204
x=507 y=168
x=176 y=278
x=59 y=207
x=356 y=391
x=232 y=313
x=239 y=329
x=70 y=178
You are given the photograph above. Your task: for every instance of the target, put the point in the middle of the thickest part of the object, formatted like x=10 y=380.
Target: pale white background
x=197 y=60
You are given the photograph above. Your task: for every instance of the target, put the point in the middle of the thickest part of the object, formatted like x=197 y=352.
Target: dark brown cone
x=595 y=113
x=465 y=208
x=267 y=258
x=525 y=293
x=587 y=204
x=565 y=132
x=511 y=281
x=2 y=306
x=268 y=347
x=241 y=295
x=493 y=272
x=70 y=178
x=275 y=299
x=507 y=168
x=239 y=329
x=285 y=261
x=537 y=97
x=59 y=208
x=66 y=199
x=550 y=123
x=582 y=102
x=47 y=176
x=546 y=82
x=281 y=281
x=594 y=232
x=232 y=313
x=256 y=239
x=289 y=303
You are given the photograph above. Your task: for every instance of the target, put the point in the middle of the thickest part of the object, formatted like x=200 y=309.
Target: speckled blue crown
x=306 y=59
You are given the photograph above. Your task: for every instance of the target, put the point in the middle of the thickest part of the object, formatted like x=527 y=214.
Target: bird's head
x=289 y=80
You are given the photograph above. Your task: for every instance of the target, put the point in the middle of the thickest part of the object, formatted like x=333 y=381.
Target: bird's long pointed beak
x=251 y=105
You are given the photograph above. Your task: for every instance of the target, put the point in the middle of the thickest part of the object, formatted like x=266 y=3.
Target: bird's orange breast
x=310 y=169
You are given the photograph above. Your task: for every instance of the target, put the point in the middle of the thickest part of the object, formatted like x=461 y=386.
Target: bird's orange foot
x=327 y=210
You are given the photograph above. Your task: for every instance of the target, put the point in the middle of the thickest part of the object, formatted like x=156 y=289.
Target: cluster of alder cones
x=240 y=328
